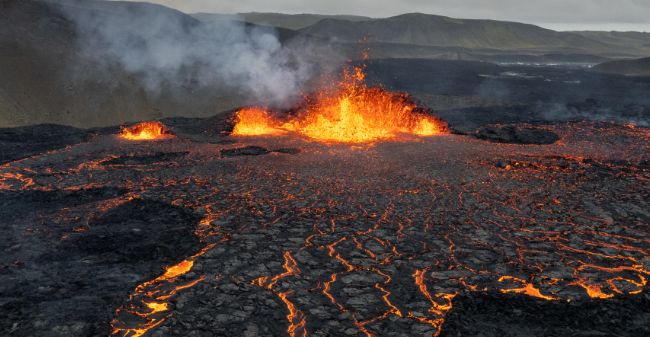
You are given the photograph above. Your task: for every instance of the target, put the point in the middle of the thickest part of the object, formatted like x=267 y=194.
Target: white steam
x=632 y=114
x=161 y=47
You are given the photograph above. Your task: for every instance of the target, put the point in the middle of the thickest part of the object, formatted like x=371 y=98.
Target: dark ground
x=83 y=227
x=496 y=314
x=527 y=93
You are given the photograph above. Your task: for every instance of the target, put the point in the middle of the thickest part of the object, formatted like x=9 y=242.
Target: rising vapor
x=164 y=48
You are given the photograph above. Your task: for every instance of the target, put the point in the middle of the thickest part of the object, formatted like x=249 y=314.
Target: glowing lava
x=255 y=121
x=145 y=131
x=352 y=112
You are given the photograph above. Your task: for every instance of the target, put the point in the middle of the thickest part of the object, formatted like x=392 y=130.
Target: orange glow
x=296 y=317
x=181 y=287
x=138 y=332
x=145 y=131
x=350 y=113
x=157 y=307
x=291 y=268
x=529 y=290
x=255 y=121
x=594 y=290
x=178 y=269
x=419 y=281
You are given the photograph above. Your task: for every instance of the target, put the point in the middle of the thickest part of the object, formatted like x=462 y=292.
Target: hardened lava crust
x=442 y=235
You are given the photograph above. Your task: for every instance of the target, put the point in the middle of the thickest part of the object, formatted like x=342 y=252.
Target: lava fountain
x=145 y=131
x=350 y=112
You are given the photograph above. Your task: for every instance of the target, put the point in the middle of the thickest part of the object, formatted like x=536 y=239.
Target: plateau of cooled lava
x=335 y=239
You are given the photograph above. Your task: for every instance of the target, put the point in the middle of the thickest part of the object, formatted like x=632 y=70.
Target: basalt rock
x=395 y=241
x=144 y=159
x=244 y=151
x=513 y=135
x=288 y=151
x=22 y=142
x=91 y=269
x=497 y=314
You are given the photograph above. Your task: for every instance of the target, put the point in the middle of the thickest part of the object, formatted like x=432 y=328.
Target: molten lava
x=255 y=121
x=352 y=112
x=145 y=131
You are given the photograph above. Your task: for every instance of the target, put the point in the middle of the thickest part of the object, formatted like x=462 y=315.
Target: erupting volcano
x=348 y=112
x=277 y=182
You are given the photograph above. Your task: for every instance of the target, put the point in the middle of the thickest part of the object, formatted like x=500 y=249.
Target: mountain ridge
x=288 y=21
x=441 y=31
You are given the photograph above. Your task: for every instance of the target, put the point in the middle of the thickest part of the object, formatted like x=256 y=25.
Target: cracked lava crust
x=331 y=239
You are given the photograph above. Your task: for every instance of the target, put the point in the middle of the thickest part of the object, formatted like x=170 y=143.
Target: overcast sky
x=553 y=14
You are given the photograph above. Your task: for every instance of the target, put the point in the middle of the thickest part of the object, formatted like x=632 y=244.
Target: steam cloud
x=163 y=47
x=631 y=114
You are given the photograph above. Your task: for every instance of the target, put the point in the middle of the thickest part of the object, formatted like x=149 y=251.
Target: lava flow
x=145 y=131
x=350 y=112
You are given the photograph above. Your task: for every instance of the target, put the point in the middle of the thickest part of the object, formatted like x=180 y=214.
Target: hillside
x=138 y=10
x=625 y=39
x=432 y=30
x=127 y=8
x=288 y=21
x=639 y=67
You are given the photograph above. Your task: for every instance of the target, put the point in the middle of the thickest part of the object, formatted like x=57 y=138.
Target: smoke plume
x=165 y=48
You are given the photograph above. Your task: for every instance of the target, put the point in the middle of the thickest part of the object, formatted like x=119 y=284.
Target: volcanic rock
x=497 y=314
x=244 y=151
x=288 y=150
x=144 y=159
x=514 y=135
x=65 y=288
x=22 y=142
x=386 y=239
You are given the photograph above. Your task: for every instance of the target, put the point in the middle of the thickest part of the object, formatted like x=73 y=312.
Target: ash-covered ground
x=447 y=235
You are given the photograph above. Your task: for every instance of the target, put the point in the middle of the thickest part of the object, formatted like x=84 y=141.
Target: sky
x=620 y=15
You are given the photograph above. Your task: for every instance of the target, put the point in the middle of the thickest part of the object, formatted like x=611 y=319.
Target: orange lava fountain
x=350 y=113
x=145 y=131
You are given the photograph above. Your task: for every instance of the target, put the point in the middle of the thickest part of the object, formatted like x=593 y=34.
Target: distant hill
x=125 y=8
x=432 y=30
x=289 y=21
x=138 y=10
x=625 y=39
x=639 y=67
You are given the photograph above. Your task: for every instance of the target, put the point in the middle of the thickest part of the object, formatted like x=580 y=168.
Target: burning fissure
x=145 y=131
x=348 y=112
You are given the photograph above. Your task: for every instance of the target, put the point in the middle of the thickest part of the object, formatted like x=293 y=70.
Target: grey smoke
x=633 y=114
x=164 y=47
